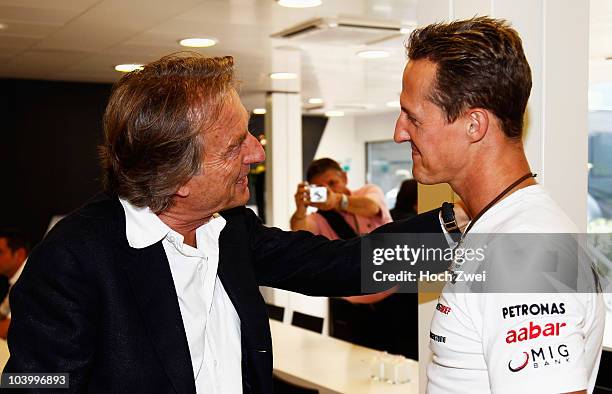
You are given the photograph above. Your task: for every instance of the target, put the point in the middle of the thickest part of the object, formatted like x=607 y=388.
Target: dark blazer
x=90 y=305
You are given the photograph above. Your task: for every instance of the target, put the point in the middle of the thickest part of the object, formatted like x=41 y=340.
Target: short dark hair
x=479 y=63
x=154 y=122
x=407 y=195
x=319 y=166
x=15 y=239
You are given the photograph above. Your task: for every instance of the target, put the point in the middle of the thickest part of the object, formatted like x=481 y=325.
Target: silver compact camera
x=317 y=193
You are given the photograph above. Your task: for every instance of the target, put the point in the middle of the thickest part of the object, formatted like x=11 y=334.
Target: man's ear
x=21 y=254
x=477 y=124
x=183 y=191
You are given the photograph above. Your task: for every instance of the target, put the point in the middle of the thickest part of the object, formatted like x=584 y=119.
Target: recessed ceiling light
x=259 y=111
x=373 y=54
x=334 y=114
x=126 y=68
x=283 y=75
x=299 y=3
x=3 y=26
x=198 y=42
x=393 y=104
x=315 y=100
x=406 y=30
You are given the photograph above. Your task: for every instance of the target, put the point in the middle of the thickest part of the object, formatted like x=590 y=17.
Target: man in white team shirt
x=464 y=94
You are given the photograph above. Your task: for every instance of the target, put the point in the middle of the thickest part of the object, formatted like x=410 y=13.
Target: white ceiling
x=82 y=40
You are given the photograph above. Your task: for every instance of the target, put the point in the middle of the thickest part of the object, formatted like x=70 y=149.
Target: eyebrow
x=409 y=113
x=237 y=140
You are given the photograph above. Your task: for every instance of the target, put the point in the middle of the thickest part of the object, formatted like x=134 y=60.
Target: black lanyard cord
x=485 y=209
x=496 y=200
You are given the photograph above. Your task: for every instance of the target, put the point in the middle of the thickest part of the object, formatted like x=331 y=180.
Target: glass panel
x=388 y=164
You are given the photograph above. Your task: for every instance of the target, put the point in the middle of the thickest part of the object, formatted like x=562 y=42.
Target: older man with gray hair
x=153 y=286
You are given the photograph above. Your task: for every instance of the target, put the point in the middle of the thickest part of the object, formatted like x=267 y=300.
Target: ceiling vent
x=341 y=31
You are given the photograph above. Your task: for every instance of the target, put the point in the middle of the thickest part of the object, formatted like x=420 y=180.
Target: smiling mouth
x=415 y=150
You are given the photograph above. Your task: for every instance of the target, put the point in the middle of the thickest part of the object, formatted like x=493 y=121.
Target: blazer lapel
x=151 y=281
x=236 y=274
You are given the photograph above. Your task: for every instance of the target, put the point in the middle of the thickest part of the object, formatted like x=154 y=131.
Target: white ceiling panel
x=16 y=42
x=54 y=61
x=50 y=16
x=34 y=30
x=78 y=5
x=113 y=21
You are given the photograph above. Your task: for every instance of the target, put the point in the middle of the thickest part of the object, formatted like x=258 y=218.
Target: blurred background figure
x=384 y=321
x=14 y=248
x=406 y=201
x=344 y=213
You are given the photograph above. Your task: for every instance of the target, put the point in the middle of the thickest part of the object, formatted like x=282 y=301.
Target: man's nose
x=255 y=151
x=401 y=132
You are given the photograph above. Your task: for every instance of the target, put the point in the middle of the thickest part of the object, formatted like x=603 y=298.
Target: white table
x=328 y=364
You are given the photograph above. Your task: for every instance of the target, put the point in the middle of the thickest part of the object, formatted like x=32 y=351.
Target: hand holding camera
x=321 y=197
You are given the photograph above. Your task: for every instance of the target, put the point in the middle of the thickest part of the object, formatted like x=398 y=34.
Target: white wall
x=345 y=138
x=338 y=143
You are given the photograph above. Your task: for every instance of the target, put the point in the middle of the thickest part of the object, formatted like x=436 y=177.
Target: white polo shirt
x=211 y=322
x=516 y=343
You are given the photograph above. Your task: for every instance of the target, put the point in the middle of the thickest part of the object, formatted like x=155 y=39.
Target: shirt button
x=171 y=238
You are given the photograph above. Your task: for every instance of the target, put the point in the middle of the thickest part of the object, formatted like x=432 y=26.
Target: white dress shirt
x=5 y=308
x=211 y=322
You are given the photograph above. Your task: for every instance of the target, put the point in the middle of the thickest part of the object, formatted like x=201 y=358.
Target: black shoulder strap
x=338 y=224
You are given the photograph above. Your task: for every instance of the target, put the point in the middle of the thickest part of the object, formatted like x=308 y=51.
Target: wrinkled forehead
x=233 y=113
x=218 y=112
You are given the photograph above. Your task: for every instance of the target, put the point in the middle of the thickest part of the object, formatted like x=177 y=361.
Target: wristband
x=344 y=202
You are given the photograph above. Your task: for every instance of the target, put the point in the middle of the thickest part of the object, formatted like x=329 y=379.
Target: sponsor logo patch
x=437 y=338
x=539 y=358
x=533 y=331
x=443 y=308
x=551 y=308
x=520 y=363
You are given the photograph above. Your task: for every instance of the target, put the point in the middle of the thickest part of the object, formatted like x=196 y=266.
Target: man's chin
x=425 y=179
x=241 y=198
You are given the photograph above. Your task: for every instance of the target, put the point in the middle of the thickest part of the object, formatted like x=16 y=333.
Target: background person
x=384 y=321
x=14 y=249
x=363 y=209
x=406 y=202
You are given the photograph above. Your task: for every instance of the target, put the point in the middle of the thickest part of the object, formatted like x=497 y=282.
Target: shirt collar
x=143 y=228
